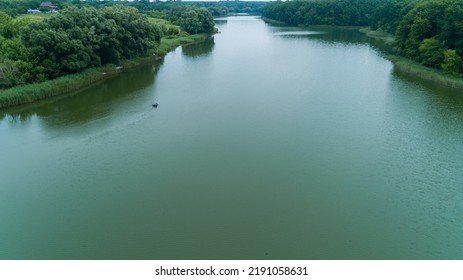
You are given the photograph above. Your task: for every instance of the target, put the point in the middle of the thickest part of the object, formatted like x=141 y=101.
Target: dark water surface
x=268 y=143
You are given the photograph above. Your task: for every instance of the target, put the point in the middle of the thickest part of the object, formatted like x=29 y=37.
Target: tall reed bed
x=415 y=69
x=35 y=92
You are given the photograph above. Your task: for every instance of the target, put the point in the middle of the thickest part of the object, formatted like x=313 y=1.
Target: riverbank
x=30 y=93
x=413 y=68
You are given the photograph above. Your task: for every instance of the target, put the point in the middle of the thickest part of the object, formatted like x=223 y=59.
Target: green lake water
x=268 y=143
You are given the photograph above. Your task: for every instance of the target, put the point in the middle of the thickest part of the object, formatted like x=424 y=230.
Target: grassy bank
x=407 y=66
x=71 y=83
x=34 y=92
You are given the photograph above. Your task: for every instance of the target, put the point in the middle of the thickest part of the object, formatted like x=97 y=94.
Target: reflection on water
x=432 y=87
x=220 y=21
x=99 y=101
x=332 y=34
x=196 y=50
x=296 y=33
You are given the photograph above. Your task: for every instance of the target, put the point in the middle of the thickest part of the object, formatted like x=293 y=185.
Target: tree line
x=81 y=37
x=73 y=40
x=429 y=32
x=221 y=8
x=338 y=12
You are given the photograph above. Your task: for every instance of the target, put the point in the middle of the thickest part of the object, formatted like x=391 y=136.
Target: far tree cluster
x=196 y=21
x=73 y=40
x=37 y=48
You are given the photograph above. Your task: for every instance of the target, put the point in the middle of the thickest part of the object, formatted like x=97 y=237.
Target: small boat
x=155 y=105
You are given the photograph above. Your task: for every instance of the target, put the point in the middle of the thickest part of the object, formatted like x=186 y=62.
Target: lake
x=269 y=142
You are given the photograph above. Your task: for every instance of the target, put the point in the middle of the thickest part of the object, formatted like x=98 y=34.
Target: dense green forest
x=224 y=8
x=217 y=9
x=339 y=12
x=36 y=47
x=429 y=31
x=42 y=46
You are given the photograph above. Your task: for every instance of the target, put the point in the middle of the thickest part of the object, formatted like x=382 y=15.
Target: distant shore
x=402 y=64
x=30 y=93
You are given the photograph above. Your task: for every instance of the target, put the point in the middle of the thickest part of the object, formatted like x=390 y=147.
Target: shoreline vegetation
x=73 y=83
x=413 y=68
